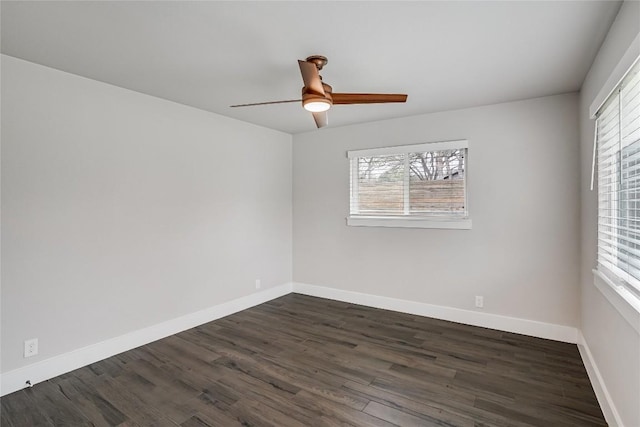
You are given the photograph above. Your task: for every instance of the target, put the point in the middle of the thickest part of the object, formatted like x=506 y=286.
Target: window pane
x=436 y=182
x=618 y=163
x=629 y=210
x=380 y=185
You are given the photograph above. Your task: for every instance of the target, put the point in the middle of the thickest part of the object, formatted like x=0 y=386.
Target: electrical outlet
x=258 y=284
x=31 y=347
x=479 y=301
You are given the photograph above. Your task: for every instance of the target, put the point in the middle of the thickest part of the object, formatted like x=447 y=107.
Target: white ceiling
x=445 y=55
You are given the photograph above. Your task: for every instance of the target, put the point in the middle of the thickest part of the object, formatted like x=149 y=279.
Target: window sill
x=404 y=222
x=621 y=299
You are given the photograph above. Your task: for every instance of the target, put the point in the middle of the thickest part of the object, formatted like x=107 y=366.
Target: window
x=618 y=164
x=423 y=185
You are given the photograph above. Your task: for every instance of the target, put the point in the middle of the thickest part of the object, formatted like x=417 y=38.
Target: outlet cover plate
x=31 y=347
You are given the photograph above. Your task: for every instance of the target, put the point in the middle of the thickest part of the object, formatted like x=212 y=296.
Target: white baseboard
x=41 y=371
x=486 y=320
x=604 y=398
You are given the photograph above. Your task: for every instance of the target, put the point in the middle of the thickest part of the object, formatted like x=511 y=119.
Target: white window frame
x=459 y=222
x=607 y=279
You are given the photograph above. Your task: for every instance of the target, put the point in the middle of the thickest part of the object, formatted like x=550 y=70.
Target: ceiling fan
x=318 y=97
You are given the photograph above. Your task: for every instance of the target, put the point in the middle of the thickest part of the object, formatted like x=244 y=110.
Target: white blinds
x=420 y=183
x=618 y=162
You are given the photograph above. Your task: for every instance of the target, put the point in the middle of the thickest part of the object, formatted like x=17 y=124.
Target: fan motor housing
x=308 y=94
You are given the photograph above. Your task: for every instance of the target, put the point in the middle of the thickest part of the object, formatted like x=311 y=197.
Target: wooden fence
x=424 y=196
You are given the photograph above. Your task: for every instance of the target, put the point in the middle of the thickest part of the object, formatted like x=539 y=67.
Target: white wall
x=613 y=341
x=121 y=210
x=522 y=252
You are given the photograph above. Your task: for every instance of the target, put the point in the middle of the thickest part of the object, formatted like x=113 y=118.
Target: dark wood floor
x=303 y=361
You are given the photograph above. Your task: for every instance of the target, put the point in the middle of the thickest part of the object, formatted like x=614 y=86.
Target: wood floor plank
x=129 y=402
x=431 y=411
x=55 y=406
x=330 y=410
x=93 y=406
x=305 y=361
x=164 y=422
x=399 y=417
x=18 y=409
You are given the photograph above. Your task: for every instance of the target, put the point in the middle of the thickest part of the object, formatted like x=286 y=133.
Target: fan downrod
x=319 y=61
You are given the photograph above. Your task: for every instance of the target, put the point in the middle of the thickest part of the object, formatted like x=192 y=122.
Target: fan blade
x=321 y=119
x=311 y=77
x=266 y=103
x=367 y=98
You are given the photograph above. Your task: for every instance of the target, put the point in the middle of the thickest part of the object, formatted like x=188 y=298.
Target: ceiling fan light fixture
x=318 y=97
x=316 y=105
